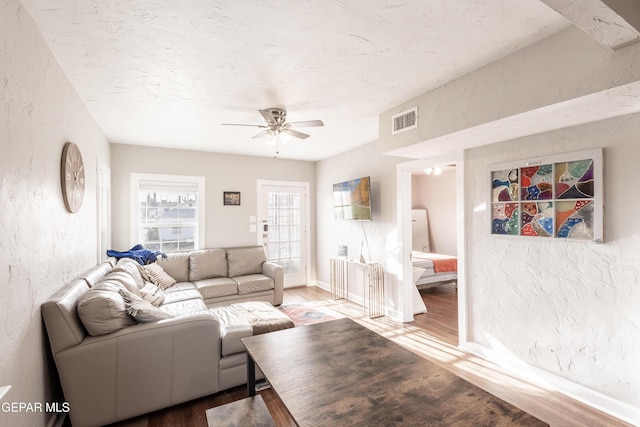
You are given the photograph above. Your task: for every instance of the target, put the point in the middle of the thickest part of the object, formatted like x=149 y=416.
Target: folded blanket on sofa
x=138 y=253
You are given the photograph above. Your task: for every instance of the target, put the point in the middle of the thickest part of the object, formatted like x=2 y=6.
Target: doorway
x=404 y=209
x=283 y=218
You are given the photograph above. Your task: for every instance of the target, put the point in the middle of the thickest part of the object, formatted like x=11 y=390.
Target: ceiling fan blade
x=308 y=123
x=262 y=134
x=295 y=133
x=242 y=124
x=268 y=116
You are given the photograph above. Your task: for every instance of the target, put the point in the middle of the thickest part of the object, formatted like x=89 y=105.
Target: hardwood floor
x=433 y=335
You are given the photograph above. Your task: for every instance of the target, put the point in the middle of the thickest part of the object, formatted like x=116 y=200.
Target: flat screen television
x=352 y=199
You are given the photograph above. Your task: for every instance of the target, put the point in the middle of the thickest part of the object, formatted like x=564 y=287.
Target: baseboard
x=590 y=397
x=322 y=285
x=389 y=312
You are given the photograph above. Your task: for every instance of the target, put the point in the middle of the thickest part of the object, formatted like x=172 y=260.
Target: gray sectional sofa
x=125 y=343
x=227 y=275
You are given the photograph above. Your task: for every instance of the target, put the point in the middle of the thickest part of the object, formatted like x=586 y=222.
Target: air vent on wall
x=404 y=121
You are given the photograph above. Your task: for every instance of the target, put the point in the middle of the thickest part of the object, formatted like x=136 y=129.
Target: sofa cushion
x=176 y=265
x=233 y=327
x=96 y=273
x=213 y=288
x=142 y=311
x=152 y=293
x=122 y=278
x=158 y=276
x=185 y=307
x=207 y=264
x=101 y=309
x=134 y=269
x=183 y=295
x=262 y=316
x=245 y=261
x=253 y=283
x=180 y=286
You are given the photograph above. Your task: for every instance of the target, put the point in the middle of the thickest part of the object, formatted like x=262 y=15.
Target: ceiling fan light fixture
x=268 y=137
x=276 y=129
x=283 y=137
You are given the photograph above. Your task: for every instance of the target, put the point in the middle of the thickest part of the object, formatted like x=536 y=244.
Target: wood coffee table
x=341 y=373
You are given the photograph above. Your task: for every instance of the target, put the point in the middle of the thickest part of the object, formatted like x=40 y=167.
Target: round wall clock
x=72 y=177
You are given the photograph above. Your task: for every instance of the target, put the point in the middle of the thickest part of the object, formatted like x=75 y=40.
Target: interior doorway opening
x=405 y=180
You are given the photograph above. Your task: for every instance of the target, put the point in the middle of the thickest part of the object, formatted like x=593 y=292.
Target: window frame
x=134 y=213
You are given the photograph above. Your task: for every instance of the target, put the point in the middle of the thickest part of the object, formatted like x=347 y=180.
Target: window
x=167 y=211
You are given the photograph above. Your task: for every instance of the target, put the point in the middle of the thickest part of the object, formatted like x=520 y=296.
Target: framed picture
x=557 y=197
x=231 y=198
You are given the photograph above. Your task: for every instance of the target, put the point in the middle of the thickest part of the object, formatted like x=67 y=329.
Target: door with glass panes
x=282 y=229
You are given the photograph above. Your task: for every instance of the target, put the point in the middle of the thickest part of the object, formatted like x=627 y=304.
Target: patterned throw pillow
x=158 y=276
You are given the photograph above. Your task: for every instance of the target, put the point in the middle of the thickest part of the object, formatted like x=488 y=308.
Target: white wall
x=42 y=246
x=225 y=225
x=546 y=306
x=569 y=308
x=381 y=232
x=437 y=194
x=564 y=66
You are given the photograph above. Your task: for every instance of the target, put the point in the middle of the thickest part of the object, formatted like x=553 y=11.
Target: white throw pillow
x=142 y=311
x=132 y=267
x=102 y=311
x=152 y=293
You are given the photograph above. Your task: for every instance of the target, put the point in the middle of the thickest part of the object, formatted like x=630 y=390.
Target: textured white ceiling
x=168 y=73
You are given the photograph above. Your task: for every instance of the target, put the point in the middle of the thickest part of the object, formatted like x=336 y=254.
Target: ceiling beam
x=612 y=23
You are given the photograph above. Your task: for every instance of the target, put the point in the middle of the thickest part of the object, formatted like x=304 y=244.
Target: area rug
x=309 y=313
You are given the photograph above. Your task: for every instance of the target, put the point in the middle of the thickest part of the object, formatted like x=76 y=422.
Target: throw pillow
x=137 y=272
x=121 y=278
x=152 y=293
x=142 y=311
x=102 y=311
x=159 y=277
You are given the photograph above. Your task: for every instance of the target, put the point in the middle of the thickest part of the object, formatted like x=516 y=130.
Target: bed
x=437 y=269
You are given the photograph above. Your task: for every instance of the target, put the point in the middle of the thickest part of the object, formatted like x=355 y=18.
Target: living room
x=564 y=313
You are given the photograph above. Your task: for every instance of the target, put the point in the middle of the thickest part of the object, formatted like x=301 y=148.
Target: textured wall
x=225 y=225
x=379 y=236
x=570 y=308
x=562 y=67
x=41 y=245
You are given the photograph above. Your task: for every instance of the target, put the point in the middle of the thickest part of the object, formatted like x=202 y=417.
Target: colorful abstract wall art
x=575 y=219
x=553 y=200
x=537 y=182
x=574 y=180
x=505 y=185
x=537 y=219
x=505 y=218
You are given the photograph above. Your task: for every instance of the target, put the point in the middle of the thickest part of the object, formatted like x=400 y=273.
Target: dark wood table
x=341 y=373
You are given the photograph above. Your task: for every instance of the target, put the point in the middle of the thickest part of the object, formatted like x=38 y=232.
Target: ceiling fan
x=276 y=125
